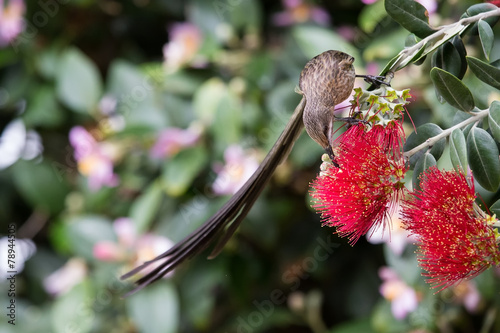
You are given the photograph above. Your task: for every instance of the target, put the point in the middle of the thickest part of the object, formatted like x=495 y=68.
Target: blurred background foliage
x=125 y=124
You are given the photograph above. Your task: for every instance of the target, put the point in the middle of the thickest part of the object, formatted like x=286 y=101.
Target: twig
x=431 y=141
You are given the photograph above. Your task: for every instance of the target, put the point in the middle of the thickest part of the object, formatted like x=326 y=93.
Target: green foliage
x=78 y=84
x=422 y=134
x=411 y=15
x=453 y=91
x=423 y=163
x=156 y=309
x=483 y=158
x=458 y=151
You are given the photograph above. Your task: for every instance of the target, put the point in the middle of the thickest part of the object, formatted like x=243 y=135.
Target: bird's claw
x=375 y=80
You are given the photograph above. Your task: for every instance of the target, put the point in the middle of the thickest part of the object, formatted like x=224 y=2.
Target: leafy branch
x=444 y=134
x=445 y=33
x=472 y=147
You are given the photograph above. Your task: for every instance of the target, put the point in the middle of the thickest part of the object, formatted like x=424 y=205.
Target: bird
x=326 y=80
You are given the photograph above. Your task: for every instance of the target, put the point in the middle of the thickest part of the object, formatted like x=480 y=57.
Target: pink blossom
x=94 y=159
x=11 y=20
x=131 y=248
x=299 y=11
x=403 y=298
x=239 y=166
x=66 y=277
x=185 y=40
x=173 y=139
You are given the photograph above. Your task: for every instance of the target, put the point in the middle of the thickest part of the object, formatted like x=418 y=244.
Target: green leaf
x=447 y=58
x=155 y=308
x=485 y=72
x=494 y=119
x=458 y=150
x=411 y=15
x=72 y=311
x=390 y=64
x=421 y=135
x=227 y=125
x=41 y=185
x=371 y=15
x=423 y=163
x=495 y=208
x=180 y=171
x=138 y=96
x=78 y=83
x=483 y=158
x=145 y=208
x=452 y=89
x=458 y=44
x=43 y=109
x=478 y=9
x=314 y=40
x=84 y=231
x=486 y=35
x=207 y=99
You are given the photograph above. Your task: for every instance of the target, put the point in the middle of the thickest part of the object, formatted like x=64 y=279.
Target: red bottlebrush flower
x=362 y=191
x=455 y=237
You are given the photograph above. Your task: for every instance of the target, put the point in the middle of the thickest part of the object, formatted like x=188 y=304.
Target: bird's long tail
x=227 y=219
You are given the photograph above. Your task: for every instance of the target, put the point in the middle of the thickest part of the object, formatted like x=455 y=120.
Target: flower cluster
x=95 y=159
x=360 y=189
x=456 y=238
x=11 y=20
x=358 y=192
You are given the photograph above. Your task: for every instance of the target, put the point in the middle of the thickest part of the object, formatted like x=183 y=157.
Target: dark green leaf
x=390 y=64
x=155 y=308
x=41 y=184
x=494 y=119
x=458 y=150
x=485 y=72
x=420 y=61
x=478 y=9
x=483 y=158
x=486 y=35
x=495 y=63
x=354 y=326
x=462 y=52
x=423 y=163
x=78 y=82
x=145 y=207
x=418 y=137
x=411 y=15
x=181 y=169
x=495 y=208
x=43 y=109
x=447 y=57
x=452 y=89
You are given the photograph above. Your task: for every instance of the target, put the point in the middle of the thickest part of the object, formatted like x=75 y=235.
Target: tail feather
x=224 y=222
